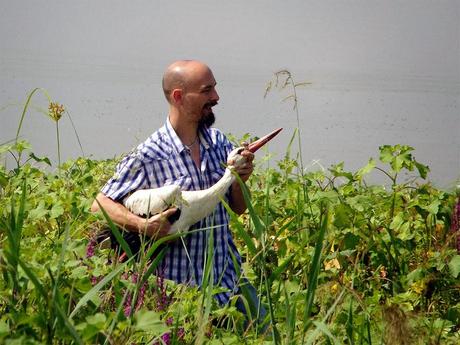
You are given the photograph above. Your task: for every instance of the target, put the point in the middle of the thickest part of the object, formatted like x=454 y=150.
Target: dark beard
x=207 y=120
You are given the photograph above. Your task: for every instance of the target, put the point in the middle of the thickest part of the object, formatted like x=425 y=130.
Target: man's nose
x=215 y=96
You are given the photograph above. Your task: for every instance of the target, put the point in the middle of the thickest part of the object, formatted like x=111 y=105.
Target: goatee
x=208 y=119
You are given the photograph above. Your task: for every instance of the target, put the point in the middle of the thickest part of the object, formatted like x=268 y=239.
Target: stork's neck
x=219 y=189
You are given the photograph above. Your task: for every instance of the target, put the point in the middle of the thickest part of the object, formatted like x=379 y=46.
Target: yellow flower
x=55 y=111
x=335 y=288
x=418 y=287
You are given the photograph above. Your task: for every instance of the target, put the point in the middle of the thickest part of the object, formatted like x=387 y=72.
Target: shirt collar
x=178 y=145
x=175 y=140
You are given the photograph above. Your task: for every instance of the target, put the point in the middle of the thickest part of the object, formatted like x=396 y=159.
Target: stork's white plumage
x=193 y=205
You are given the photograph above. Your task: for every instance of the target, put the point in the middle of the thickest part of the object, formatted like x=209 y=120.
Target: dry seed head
x=55 y=111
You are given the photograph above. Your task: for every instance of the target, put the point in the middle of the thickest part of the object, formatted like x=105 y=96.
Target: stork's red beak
x=253 y=147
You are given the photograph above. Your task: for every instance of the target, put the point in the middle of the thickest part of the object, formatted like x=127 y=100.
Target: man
x=186 y=151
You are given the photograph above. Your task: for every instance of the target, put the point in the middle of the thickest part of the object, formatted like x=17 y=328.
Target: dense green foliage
x=335 y=260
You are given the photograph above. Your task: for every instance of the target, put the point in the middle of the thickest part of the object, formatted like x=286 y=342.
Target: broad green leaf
x=454 y=266
x=148 y=321
x=366 y=169
x=433 y=208
x=4 y=328
x=423 y=170
x=39 y=212
x=97 y=320
x=3 y=179
x=350 y=242
x=397 y=221
x=415 y=275
x=342 y=216
x=57 y=210
x=405 y=232
x=386 y=153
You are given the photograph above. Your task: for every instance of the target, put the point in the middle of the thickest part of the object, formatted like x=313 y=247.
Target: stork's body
x=193 y=205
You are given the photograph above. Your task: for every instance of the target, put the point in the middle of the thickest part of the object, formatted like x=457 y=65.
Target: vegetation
x=335 y=260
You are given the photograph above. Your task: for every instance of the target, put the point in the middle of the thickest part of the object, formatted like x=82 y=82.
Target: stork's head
x=235 y=158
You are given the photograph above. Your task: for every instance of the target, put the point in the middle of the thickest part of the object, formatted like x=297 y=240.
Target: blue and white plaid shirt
x=163 y=160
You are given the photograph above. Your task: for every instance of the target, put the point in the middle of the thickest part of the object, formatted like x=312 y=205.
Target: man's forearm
x=118 y=213
x=237 y=203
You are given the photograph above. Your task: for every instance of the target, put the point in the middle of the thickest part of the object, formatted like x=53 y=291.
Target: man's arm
x=156 y=226
x=237 y=202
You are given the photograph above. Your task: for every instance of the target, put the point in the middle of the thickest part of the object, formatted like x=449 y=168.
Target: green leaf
x=3 y=179
x=56 y=211
x=397 y=221
x=454 y=266
x=21 y=146
x=148 y=321
x=386 y=153
x=95 y=290
x=39 y=212
x=422 y=169
x=4 y=328
x=342 y=216
x=40 y=159
x=433 y=208
x=415 y=275
x=97 y=320
x=337 y=171
x=281 y=268
x=366 y=169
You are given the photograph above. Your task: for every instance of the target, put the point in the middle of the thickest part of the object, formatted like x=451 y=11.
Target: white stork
x=193 y=205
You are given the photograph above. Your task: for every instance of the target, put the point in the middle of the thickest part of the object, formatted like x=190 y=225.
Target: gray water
x=383 y=72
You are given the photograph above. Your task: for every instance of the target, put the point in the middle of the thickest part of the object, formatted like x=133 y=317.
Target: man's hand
x=246 y=169
x=158 y=225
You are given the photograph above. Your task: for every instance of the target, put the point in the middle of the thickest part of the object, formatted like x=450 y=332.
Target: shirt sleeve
x=130 y=175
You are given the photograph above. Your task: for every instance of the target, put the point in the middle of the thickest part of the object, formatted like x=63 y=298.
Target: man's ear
x=176 y=96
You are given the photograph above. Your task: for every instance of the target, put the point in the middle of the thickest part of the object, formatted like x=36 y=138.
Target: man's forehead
x=209 y=84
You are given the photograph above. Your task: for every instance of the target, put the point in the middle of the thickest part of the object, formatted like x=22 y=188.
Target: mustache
x=211 y=103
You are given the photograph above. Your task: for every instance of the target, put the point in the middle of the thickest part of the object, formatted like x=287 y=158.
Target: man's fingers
x=170 y=212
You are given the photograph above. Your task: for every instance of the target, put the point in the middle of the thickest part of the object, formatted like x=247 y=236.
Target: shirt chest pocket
x=184 y=182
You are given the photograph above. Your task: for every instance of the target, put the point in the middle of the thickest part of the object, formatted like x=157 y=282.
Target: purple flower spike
x=455 y=225
x=90 y=248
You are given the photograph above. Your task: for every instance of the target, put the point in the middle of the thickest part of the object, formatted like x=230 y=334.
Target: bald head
x=181 y=74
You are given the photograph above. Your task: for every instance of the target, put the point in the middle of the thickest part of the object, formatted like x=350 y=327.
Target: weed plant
x=335 y=260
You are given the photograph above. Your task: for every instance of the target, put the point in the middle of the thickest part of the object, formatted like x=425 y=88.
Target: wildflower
x=162 y=298
x=90 y=248
x=418 y=287
x=455 y=224
x=166 y=337
x=94 y=280
x=140 y=298
x=383 y=272
x=127 y=306
x=55 y=111
x=181 y=333
x=335 y=288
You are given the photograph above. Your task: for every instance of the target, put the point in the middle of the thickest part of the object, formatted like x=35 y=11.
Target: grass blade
x=92 y=293
x=116 y=232
x=314 y=271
